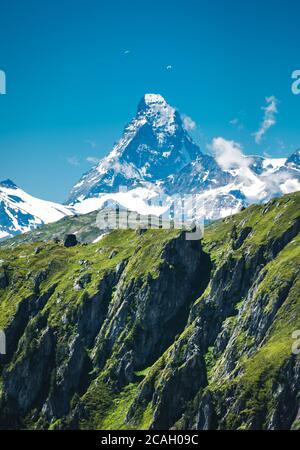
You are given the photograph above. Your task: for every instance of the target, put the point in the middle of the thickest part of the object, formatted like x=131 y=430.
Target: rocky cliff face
x=149 y=330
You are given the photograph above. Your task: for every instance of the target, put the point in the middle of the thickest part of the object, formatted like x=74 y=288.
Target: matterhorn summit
x=154 y=145
x=156 y=156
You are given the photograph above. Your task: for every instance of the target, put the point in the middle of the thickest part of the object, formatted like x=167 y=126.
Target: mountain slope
x=20 y=212
x=149 y=330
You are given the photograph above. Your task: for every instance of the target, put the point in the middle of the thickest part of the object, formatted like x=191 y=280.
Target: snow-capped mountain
x=150 y=168
x=154 y=147
x=157 y=158
x=20 y=212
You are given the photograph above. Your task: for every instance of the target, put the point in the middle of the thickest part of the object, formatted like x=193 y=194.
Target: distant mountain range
x=20 y=212
x=156 y=159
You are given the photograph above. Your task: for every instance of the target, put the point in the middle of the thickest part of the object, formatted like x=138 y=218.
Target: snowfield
x=21 y=212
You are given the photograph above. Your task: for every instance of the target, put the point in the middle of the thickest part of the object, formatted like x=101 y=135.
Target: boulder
x=70 y=240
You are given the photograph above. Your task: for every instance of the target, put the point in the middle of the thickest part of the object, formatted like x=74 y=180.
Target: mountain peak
x=153 y=98
x=154 y=145
x=8 y=184
x=155 y=105
x=155 y=110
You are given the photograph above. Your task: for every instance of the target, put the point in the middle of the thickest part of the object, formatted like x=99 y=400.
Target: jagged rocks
x=154 y=311
x=83 y=281
x=286 y=387
x=113 y=254
x=239 y=240
x=30 y=374
x=38 y=278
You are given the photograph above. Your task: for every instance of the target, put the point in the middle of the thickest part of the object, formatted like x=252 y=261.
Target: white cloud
x=229 y=154
x=277 y=183
x=291 y=185
x=188 y=122
x=92 y=159
x=73 y=161
x=230 y=157
x=269 y=118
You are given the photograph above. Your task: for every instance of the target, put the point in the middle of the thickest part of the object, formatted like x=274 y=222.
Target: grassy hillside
x=146 y=329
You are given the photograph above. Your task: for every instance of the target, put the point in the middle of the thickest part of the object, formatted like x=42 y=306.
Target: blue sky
x=71 y=88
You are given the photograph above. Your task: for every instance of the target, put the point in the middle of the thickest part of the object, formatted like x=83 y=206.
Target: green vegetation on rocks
x=148 y=330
